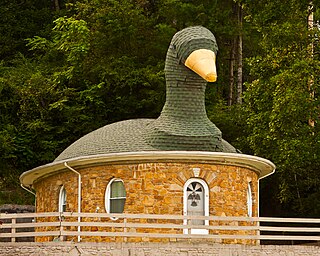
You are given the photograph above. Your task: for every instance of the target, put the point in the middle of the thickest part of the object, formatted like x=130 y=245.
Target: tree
x=239 y=56
x=20 y=20
x=279 y=105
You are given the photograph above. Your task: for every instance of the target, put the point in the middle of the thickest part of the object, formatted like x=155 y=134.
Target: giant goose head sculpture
x=183 y=124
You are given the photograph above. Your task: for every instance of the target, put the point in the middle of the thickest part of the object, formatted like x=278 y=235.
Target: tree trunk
x=56 y=5
x=231 y=71
x=239 y=57
x=311 y=46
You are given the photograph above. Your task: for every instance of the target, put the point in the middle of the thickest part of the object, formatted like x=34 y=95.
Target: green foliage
x=78 y=80
x=20 y=20
x=101 y=61
x=229 y=119
x=280 y=103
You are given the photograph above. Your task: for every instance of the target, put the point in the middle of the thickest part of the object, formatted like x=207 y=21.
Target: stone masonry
x=151 y=188
x=157 y=249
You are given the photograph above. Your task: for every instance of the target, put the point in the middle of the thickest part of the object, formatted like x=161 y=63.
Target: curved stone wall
x=152 y=188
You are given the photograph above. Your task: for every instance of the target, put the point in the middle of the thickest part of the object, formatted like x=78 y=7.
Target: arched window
x=249 y=199
x=62 y=199
x=196 y=202
x=115 y=196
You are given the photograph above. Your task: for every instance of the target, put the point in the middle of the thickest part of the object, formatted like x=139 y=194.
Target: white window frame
x=62 y=199
x=206 y=205
x=107 y=196
x=249 y=199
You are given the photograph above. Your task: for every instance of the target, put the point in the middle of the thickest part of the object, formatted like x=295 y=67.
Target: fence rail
x=65 y=225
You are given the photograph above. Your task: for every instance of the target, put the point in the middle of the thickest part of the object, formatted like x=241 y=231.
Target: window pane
x=117 y=189
x=116 y=196
x=62 y=200
x=117 y=205
x=249 y=200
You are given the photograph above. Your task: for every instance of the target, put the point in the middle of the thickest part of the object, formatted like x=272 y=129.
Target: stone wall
x=157 y=249
x=152 y=188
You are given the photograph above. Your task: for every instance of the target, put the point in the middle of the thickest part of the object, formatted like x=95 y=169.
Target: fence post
x=125 y=228
x=13 y=229
x=258 y=232
x=61 y=227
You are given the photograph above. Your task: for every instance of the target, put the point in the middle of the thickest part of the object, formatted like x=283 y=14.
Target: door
x=196 y=203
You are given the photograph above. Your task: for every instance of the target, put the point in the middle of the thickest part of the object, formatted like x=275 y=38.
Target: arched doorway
x=196 y=203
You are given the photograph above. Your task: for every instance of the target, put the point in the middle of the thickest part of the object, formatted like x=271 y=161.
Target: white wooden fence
x=60 y=226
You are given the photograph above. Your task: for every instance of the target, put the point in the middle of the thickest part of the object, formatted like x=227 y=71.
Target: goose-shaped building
x=176 y=164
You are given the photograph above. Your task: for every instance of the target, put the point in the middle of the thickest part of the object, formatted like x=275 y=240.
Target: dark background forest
x=69 y=67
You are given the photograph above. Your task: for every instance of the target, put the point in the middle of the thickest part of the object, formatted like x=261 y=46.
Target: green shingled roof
x=183 y=123
x=124 y=136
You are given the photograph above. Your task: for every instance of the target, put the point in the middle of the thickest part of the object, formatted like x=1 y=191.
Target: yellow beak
x=203 y=62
